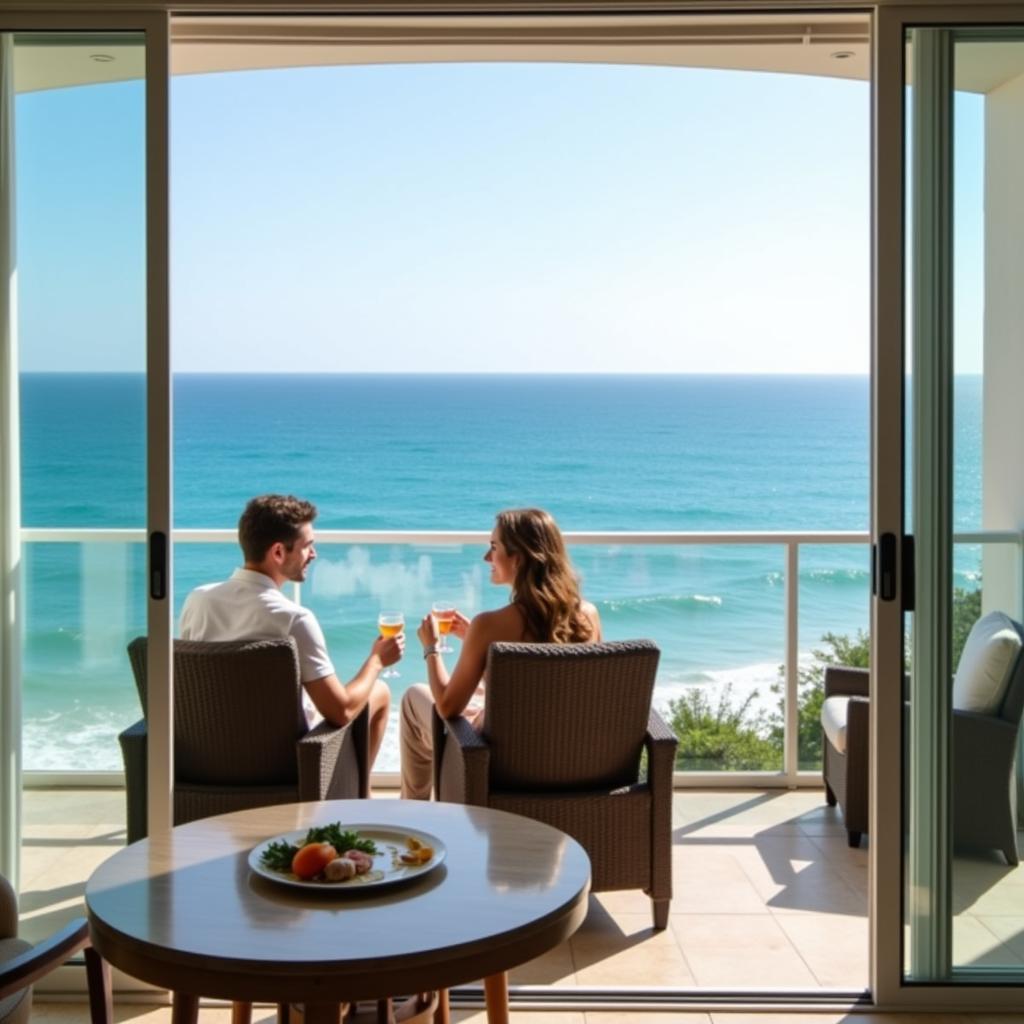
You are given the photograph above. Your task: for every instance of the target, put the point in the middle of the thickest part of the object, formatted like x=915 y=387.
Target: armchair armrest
x=858 y=729
x=661 y=744
x=28 y=967
x=841 y=681
x=982 y=740
x=333 y=760
x=462 y=761
x=8 y=910
x=134 y=743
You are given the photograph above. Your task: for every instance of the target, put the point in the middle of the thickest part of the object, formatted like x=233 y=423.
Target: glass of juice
x=390 y=623
x=444 y=616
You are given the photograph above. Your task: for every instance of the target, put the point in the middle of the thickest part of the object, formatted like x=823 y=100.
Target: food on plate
x=311 y=859
x=308 y=859
x=332 y=855
x=340 y=870
x=420 y=854
x=362 y=861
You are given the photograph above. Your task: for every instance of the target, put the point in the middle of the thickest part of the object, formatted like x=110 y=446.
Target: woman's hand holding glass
x=428 y=633
x=459 y=624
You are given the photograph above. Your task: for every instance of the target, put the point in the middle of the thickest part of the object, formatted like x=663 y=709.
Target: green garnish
x=278 y=856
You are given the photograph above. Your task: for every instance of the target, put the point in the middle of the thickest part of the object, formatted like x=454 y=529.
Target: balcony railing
x=790 y=543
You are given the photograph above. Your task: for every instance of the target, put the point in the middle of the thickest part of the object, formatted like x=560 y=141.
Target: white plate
x=386 y=870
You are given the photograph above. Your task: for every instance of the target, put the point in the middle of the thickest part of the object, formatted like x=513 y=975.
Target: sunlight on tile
x=739 y=951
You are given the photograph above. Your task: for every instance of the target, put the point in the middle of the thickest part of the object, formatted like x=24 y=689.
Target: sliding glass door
x=951 y=687
x=85 y=463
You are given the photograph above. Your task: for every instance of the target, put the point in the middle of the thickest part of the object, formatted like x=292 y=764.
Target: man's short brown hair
x=270 y=519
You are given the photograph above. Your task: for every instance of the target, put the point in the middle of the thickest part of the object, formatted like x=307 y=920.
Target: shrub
x=726 y=736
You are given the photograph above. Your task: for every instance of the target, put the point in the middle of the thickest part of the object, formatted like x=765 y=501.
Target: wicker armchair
x=564 y=730
x=21 y=964
x=983 y=797
x=240 y=736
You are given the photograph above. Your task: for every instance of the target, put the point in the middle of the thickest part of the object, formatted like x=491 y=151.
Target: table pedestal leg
x=496 y=998
x=184 y=1008
x=442 y=1015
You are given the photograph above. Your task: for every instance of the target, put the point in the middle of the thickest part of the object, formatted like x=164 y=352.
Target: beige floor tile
x=627 y=951
x=992 y=900
x=627 y=901
x=710 y=880
x=857 y=1017
x=553 y=968
x=1009 y=930
x=739 y=951
x=693 y=895
x=55 y=806
x=790 y=874
x=976 y=945
x=834 y=946
x=519 y=1016
x=647 y=1017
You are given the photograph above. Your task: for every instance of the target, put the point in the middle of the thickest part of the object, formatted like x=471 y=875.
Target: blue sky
x=473 y=217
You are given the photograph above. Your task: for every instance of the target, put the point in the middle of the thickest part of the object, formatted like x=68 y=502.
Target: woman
x=528 y=554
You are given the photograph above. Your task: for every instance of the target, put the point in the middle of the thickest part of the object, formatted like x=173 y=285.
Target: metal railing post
x=791 y=718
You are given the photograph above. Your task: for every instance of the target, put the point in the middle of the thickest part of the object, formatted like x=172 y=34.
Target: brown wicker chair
x=984 y=804
x=240 y=737
x=564 y=729
x=21 y=964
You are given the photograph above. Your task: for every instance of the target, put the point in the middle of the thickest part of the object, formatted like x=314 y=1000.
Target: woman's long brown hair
x=545 y=589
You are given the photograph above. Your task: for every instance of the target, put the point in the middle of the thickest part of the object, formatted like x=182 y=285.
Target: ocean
x=444 y=452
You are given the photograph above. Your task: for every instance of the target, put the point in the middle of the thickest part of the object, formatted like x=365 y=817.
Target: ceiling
x=832 y=45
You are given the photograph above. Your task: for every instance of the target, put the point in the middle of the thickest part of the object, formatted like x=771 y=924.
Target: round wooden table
x=185 y=911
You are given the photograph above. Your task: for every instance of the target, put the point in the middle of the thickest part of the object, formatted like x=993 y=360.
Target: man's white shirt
x=249 y=606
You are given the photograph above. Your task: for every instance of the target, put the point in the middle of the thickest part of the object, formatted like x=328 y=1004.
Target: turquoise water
x=445 y=452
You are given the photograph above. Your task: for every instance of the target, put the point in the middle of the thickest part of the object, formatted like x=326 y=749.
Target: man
x=276 y=536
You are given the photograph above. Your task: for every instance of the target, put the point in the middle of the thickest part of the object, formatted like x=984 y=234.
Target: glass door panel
x=964 y=887
x=77 y=196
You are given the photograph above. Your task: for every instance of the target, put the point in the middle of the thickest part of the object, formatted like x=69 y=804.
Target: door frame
x=154 y=25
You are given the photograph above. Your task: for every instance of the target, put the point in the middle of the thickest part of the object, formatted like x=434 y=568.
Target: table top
x=185 y=911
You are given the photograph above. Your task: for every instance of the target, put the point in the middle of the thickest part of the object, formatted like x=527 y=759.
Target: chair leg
x=1010 y=853
x=241 y=1013
x=830 y=797
x=660 y=909
x=101 y=1002
x=853 y=838
x=184 y=1008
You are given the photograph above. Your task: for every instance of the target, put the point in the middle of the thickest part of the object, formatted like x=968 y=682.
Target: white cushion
x=834 y=712
x=985 y=665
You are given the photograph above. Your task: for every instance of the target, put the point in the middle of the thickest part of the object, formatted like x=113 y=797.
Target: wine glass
x=390 y=623
x=444 y=615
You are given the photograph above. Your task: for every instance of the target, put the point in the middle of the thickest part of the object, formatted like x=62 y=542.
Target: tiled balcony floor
x=767 y=895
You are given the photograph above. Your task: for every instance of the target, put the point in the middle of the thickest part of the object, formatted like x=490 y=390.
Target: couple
x=526 y=553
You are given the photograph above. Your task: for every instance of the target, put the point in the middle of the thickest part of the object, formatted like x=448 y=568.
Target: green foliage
x=725 y=736
x=730 y=737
